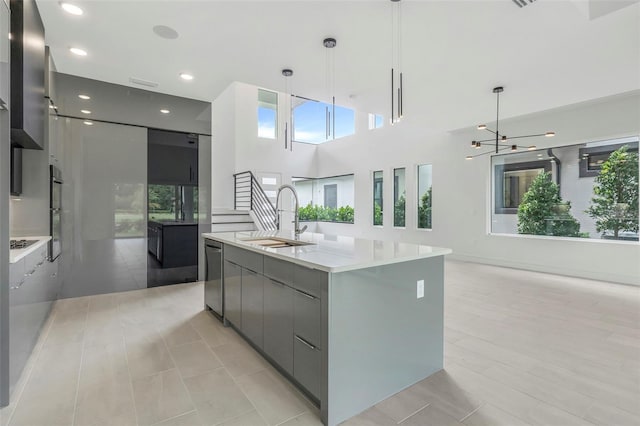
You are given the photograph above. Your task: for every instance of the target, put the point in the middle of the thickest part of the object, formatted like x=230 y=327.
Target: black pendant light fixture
x=288 y=125
x=330 y=43
x=502 y=142
x=397 y=90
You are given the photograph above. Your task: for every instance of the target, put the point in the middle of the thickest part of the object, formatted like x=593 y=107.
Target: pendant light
x=329 y=43
x=502 y=142
x=288 y=125
x=397 y=89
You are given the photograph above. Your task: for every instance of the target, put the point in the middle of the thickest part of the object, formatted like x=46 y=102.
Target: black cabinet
x=173 y=244
x=27 y=75
x=172 y=158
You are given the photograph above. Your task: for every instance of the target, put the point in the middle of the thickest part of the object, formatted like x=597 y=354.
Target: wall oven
x=55 y=211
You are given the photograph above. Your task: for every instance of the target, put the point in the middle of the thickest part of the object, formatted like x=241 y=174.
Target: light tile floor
x=521 y=348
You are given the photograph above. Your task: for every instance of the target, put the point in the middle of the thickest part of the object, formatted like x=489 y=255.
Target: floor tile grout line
x=472 y=412
x=36 y=356
x=414 y=413
x=184 y=385
x=175 y=417
x=236 y=382
x=84 y=336
x=126 y=357
x=294 y=417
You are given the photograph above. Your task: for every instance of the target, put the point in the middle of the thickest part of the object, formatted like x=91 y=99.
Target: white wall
x=461 y=189
x=236 y=146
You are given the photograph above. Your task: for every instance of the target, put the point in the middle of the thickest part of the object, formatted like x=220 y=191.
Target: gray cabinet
x=278 y=323
x=307 y=365
x=252 y=306
x=233 y=293
x=277 y=305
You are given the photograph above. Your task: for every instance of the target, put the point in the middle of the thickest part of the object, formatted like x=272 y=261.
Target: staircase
x=251 y=198
x=231 y=221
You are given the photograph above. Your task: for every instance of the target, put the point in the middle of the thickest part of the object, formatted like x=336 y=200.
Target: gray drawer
x=309 y=280
x=306 y=365
x=306 y=317
x=278 y=270
x=245 y=258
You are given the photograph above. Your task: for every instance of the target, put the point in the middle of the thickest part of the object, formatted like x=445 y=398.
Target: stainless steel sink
x=276 y=242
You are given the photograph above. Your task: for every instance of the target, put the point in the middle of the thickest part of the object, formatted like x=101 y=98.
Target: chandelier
x=502 y=142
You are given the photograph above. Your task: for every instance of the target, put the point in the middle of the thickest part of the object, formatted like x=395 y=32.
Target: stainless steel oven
x=55 y=211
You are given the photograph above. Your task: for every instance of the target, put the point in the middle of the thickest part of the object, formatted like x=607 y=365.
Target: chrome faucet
x=297 y=229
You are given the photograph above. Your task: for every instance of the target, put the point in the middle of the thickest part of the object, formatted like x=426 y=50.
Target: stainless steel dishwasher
x=213 y=285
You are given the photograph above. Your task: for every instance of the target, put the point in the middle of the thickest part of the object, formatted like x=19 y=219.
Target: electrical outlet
x=420 y=289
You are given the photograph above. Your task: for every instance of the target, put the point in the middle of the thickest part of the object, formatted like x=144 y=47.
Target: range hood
x=27 y=75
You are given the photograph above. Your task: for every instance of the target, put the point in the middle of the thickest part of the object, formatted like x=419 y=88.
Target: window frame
x=396 y=196
x=276 y=119
x=419 y=197
x=498 y=186
x=377 y=181
x=584 y=154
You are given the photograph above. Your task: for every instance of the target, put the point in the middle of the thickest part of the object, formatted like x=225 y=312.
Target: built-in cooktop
x=21 y=244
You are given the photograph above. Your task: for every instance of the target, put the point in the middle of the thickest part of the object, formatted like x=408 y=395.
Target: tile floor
x=521 y=348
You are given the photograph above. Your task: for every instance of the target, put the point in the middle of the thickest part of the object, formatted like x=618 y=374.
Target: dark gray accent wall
x=128 y=105
x=5 y=143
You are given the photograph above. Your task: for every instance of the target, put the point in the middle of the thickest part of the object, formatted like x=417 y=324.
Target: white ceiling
x=547 y=54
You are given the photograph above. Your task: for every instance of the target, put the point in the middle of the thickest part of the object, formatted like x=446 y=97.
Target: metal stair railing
x=249 y=195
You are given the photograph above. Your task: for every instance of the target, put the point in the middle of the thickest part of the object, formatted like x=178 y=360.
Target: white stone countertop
x=17 y=255
x=331 y=253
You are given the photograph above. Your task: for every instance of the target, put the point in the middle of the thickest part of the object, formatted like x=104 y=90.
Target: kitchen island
x=349 y=321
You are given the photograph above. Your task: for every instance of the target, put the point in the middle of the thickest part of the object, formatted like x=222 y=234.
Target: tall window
x=326 y=199
x=425 y=196
x=314 y=121
x=375 y=121
x=267 y=114
x=377 y=197
x=584 y=191
x=399 y=197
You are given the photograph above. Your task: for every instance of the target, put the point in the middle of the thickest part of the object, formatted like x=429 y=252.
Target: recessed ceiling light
x=85 y=111
x=532 y=148
x=84 y=97
x=186 y=76
x=51 y=107
x=165 y=111
x=78 y=51
x=468 y=157
x=71 y=8
x=482 y=126
x=550 y=134
x=88 y=123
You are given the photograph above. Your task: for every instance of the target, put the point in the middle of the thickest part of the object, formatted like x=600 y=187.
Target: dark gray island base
x=347 y=336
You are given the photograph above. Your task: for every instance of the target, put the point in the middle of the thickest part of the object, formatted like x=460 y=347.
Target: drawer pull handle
x=304 y=342
x=305 y=294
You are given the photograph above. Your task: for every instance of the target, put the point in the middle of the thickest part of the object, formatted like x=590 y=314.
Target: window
x=377 y=198
x=267 y=114
x=375 y=121
x=399 y=198
x=326 y=199
x=512 y=181
x=547 y=192
x=313 y=121
x=592 y=157
x=424 y=196
x=331 y=196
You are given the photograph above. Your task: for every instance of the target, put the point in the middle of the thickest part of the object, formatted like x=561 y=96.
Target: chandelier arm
x=525 y=136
